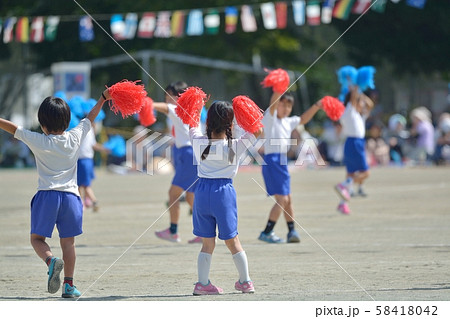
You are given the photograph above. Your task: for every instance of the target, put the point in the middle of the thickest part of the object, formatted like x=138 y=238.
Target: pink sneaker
x=196 y=240
x=342 y=191
x=209 y=289
x=246 y=287
x=167 y=235
x=343 y=208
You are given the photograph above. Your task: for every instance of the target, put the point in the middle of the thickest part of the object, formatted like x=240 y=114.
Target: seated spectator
x=376 y=148
x=332 y=143
x=442 y=152
x=422 y=131
x=397 y=137
x=15 y=153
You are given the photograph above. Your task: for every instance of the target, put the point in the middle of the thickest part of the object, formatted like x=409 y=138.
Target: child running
x=57 y=201
x=185 y=170
x=278 y=127
x=357 y=110
x=215 y=205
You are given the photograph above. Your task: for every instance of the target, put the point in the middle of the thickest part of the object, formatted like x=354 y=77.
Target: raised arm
x=309 y=113
x=273 y=102
x=161 y=107
x=96 y=109
x=8 y=126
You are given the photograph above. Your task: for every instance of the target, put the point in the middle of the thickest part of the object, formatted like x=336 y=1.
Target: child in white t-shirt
x=218 y=156
x=57 y=201
x=185 y=170
x=278 y=127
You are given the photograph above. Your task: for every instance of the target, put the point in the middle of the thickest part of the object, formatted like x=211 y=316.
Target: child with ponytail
x=218 y=157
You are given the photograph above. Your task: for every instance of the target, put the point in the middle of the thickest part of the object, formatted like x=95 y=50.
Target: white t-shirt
x=56 y=156
x=87 y=145
x=181 y=130
x=353 y=123
x=216 y=164
x=277 y=132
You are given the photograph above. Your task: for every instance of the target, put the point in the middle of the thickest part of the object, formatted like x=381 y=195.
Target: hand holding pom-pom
x=146 y=115
x=190 y=104
x=332 y=107
x=127 y=97
x=278 y=80
x=248 y=115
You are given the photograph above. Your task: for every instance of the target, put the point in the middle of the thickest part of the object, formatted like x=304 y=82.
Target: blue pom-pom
x=87 y=107
x=365 y=78
x=347 y=75
x=61 y=95
x=76 y=105
x=74 y=121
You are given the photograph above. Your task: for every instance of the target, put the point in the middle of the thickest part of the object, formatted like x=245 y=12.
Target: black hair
x=54 y=114
x=220 y=119
x=176 y=88
x=288 y=96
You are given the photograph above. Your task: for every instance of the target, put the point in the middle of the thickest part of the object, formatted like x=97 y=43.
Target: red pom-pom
x=146 y=115
x=278 y=80
x=127 y=97
x=190 y=104
x=248 y=115
x=333 y=107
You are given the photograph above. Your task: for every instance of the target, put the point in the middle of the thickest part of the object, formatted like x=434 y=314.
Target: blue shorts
x=276 y=175
x=215 y=205
x=85 y=171
x=355 y=155
x=185 y=170
x=63 y=209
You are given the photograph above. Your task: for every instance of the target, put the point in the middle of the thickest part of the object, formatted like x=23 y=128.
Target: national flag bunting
x=212 y=22
x=298 y=8
x=177 y=23
x=269 y=15
x=86 y=29
x=231 y=18
x=313 y=13
x=37 y=30
x=51 y=27
x=342 y=9
x=147 y=25
x=195 y=23
x=248 y=20
x=23 y=30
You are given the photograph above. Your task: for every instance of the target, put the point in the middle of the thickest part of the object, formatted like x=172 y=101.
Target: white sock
x=240 y=260
x=203 y=266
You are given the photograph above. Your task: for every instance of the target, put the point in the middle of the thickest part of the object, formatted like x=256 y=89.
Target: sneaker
x=343 y=208
x=246 y=287
x=95 y=207
x=270 y=238
x=293 y=237
x=362 y=193
x=196 y=240
x=209 y=289
x=54 y=270
x=167 y=235
x=342 y=191
x=70 y=291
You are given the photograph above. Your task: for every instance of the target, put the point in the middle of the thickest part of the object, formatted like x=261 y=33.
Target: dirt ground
x=394 y=246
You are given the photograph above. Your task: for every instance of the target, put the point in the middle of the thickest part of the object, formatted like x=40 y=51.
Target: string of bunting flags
x=196 y=22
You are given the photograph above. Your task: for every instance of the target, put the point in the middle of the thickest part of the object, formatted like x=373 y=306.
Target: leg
x=69 y=257
x=41 y=248
x=90 y=194
x=174 y=203
x=204 y=286
x=288 y=210
x=171 y=234
x=267 y=234
x=244 y=283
